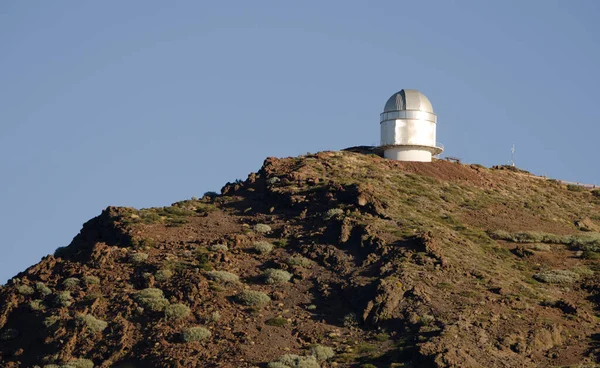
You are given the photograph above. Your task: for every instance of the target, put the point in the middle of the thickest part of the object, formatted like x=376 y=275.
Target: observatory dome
x=408 y=99
x=408 y=127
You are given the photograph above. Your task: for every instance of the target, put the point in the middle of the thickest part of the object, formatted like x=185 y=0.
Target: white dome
x=408 y=99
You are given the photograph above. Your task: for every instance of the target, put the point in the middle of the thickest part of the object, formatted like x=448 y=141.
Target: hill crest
x=374 y=261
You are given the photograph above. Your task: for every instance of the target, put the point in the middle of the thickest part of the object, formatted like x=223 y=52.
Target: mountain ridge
x=332 y=259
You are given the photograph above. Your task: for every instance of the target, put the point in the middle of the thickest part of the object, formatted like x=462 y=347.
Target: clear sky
x=144 y=103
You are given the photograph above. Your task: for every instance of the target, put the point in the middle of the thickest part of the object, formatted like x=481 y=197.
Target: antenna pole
x=512 y=159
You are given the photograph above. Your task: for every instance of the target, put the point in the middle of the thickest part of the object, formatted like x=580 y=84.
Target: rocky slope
x=338 y=259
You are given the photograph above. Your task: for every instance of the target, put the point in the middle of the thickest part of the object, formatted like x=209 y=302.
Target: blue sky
x=144 y=103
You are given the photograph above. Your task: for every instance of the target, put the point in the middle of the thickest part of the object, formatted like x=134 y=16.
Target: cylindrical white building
x=408 y=127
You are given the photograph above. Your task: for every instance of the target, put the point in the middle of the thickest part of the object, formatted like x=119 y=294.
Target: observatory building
x=408 y=127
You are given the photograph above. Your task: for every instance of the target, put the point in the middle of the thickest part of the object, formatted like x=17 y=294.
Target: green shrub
x=253 y=298
x=589 y=241
x=37 y=305
x=277 y=322
x=152 y=299
x=541 y=247
x=63 y=299
x=556 y=277
x=333 y=212
x=350 y=320
x=202 y=258
x=80 y=363
x=138 y=257
x=263 y=247
x=9 y=334
x=295 y=361
x=177 y=311
x=322 y=353
x=273 y=276
x=214 y=317
x=277 y=365
x=50 y=321
x=262 y=228
x=273 y=180
x=298 y=260
x=91 y=280
x=25 y=290
x=596 y=193
x=217 y=247
x=42 y=289
x=163 y=275
x=195 y=334
x=91 y=323
x=426 y=319
x=575 y=188
x=591 y=255
x=71 y=283
x=281 y=243
x=381 y=337
x=223 y=277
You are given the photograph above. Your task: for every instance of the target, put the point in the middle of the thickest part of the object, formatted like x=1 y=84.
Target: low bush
x=556 y=277
x=71 y=283
x=42 y=289
x=152 y=299
x=591 y=255
x=253 y=298
x=202 y=258
x=63 y=299
x=350 y=320
x=333 y=212
x=277 y=322
x=37 y=305
x=575 y=188
x=262 y=228
x=138 y=257
x=91 y=280
x=217 y=247
x=281 y=243
x=322 y=353
x=295 y=361
x=223 y=277
x=195 y=334
x=177 y=311
x=25 y=290
x=163 y=275
x=273 y=180
x=91 y=323
x=273 y=276
x=263 y=247
x=298 y=260
x=214 y=317
x=588 y=241
x=541 y=247
x=50 y=321
x=79 y=363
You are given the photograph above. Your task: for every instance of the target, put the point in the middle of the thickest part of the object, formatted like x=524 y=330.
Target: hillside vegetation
x=337 y=259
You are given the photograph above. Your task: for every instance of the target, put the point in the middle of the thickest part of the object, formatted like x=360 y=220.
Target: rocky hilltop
x=338 y=259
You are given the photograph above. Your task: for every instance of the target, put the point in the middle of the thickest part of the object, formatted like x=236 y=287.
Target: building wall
x=407 y=154
x=408 y=131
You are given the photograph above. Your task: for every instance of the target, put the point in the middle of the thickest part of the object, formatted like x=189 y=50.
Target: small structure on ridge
x=408 y=128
